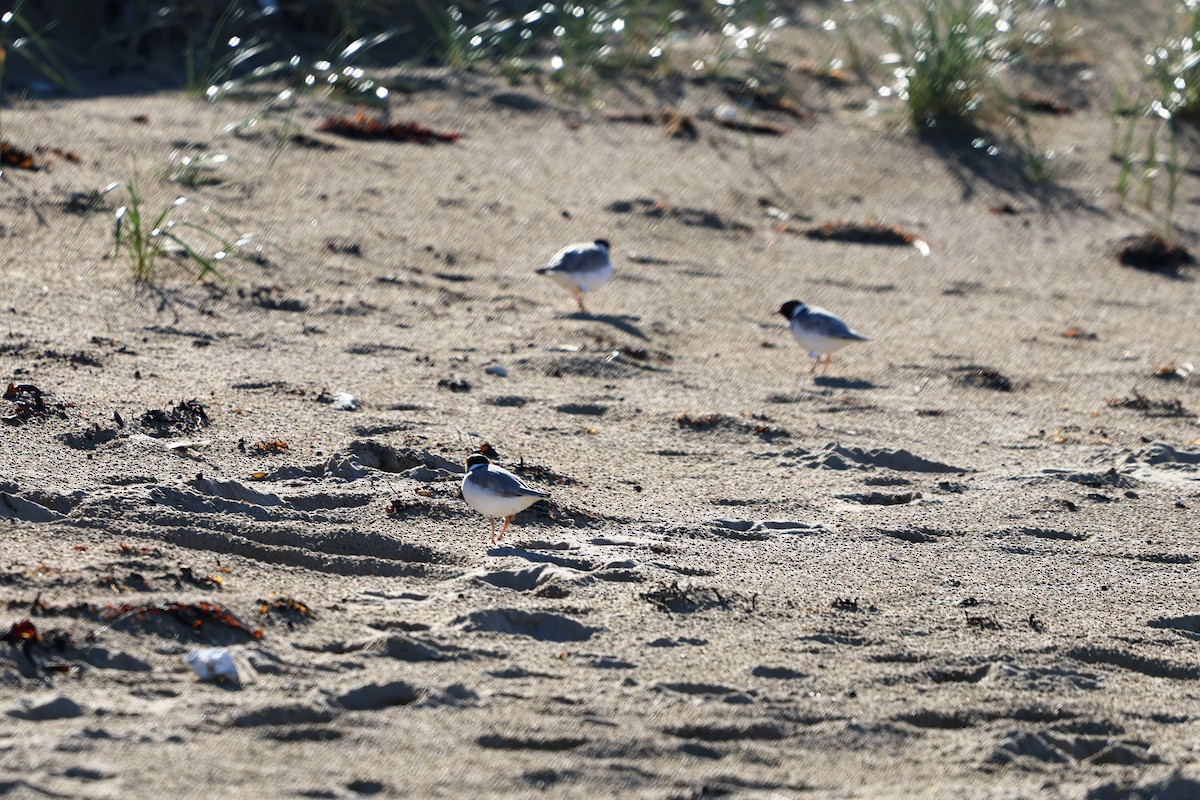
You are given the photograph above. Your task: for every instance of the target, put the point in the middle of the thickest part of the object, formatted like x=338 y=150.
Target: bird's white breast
x=816 y=343
x=582 y=279
x=593 y=278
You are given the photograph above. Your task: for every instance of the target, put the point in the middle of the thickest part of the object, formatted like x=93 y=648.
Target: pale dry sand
x=884 y=582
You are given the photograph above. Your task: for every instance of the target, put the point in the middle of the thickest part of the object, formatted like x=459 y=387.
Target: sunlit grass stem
x=945 y=55
x=147 y=240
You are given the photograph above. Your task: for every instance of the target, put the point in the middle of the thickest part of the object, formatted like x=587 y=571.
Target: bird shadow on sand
x=623 y=323
x=520 y=551
x=834 y=382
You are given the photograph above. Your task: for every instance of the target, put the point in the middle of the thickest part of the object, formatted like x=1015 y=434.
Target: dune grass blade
x=446 y=44
x=945 y=54
x=203 y=68
x=145 y=241
x=207 y=265
x=362 y=45
x=33 y=46
x=1151 y=163
x=1175 y=64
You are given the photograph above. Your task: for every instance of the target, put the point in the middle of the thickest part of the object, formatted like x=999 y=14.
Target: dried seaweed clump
x=1153 y=253
x=360 y=126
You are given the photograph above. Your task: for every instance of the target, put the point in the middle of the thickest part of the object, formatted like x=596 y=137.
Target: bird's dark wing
x=504 y=483
x=584 y=258
x=821 y=322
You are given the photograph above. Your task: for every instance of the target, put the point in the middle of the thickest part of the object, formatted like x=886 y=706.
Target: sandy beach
x=961 y=563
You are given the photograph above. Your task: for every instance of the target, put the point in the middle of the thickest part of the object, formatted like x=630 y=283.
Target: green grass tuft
x=149 y=241
x=1148 y=148
x=1175 y=65
x=19 y=37
x=945 y=56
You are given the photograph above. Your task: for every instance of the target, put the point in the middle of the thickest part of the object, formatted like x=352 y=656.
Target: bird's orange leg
x=828 y=358
x=505 y=526
x=813 y=369
x=493 y=519
x=578 y=295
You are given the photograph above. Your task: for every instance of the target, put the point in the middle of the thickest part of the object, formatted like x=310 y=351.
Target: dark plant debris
x=65 y=155
x=288 y=608
x=739 y=122
x=270 y=446
x=1079 y=333
x=361 y=126
x=131 y=550
x=711 y=421
x=1173 y=372
x=703 y=423
x=137 y=582
x=272 y=298
x=15 y=157
x=688 y=216
x=1152 y=408
x=688 y=599
x=769 y=99
x=676 y=124
x=25 y=636
x=822 y=72
x=985 y=378
x=757 y=426
x=1153 y=253
x=344 y=247
x=192 y=616
x=186 y=416
x=1041 y=104
x=642 y=354
x=769 y=433
x=858 y=233
x=132 y=582
x=29 y=402
x=457 y=386
x=188 y=576
x=19 y=632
